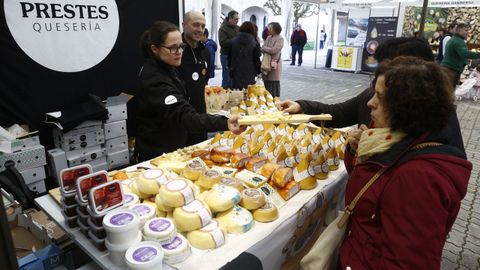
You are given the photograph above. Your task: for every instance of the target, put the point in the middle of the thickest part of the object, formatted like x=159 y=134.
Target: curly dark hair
x=418 y=96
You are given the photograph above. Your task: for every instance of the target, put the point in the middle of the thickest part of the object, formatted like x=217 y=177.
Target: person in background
x=323 y=38
x=244 y=58
x=443 y=42
x=227 y=31
x=457 y=53
x=193 y=69
x=165 y=116
x=355 y=110
x=298 y=39
x=403 y=219
x=273 y=46
x=212 y=49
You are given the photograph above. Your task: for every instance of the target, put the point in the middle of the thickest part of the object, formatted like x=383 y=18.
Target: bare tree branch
x=274 y=6
x=300 y=9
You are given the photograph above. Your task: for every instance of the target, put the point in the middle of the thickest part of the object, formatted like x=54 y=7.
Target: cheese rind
x=177 y=193
x=252 y=199
x=192 y=216
x=236 y=220
x=267 y=213
x=221 y=198
x=208 y=237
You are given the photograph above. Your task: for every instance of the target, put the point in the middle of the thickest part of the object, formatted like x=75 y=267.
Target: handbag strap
x=349 y=208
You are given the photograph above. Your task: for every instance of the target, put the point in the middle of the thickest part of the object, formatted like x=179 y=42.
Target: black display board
x=379 y=30
x=28 y=89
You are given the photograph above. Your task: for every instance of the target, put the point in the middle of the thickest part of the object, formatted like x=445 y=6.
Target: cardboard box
x=115 y=129
x=33 y=174
x=47 y=258
x=24 y=143
x=55 y=233
x=99 y=167
x=27 y=159
x=118 y=159
x=117 y=108
x=38 y=186
x=77 y=141
x=86 y=157
x=116 y=144
x=57 y=161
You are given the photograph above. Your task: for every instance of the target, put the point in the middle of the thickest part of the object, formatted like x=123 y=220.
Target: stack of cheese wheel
x=150 y=180
x=221 y=198
x=209 y=178
x=176 y=251
x=236 y=220
x=192 y=216
x=159 y=229
x=194 y=168
x=177 y=193
x=207 y=237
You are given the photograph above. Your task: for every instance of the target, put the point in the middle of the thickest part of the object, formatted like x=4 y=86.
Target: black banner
x=379 y=30
x=30 y=85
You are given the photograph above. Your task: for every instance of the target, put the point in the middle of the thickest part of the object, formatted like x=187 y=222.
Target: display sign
x=357 y=31
x=345 y=58
x=379 y=30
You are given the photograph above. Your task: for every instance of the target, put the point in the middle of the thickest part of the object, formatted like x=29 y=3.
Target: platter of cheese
x=276 y=118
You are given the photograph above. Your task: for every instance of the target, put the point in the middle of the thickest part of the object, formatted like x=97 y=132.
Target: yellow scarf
x=377 y=140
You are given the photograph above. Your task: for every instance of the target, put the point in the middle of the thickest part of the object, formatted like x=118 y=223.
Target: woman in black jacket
x=165 y=115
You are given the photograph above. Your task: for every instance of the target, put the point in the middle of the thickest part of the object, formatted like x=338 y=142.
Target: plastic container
x=122 y=225
x=68 y=199
x=89 y=181
x=146 y=255
x=96 y=219
x=82 y=205
x=68 y=179
x=99 y=231
x=82 y=218
x=69 y=210
x=70 y=221
x=83 y=228
x=130 y=199
x=144 y=211
x=176 y=251
x=159 y=229
x=98 y=243
x=105 y=197
x=117 y=252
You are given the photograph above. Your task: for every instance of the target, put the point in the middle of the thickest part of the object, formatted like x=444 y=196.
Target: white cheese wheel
x=161 y=206
x=177 y=250
x=208 y=237
x=145 y=211
x=221 y=198
x=159 y=229
x=177 y=193
x=194 y=168
x=232 y=182
x=150 y=180
x=267 y=213
x=192 y=216
x=158 y=212
x=236 y=220
x=134 y=189
x=130 y=199
x=252 y=199
x=209 y=178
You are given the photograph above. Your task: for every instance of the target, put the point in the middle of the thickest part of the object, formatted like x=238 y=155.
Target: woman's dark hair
x=247 y=27
x=418 y=95
x=276 y=27
x=155 y=35
x=404 y=46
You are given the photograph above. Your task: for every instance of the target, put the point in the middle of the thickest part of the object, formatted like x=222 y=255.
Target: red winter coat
x=403 y=220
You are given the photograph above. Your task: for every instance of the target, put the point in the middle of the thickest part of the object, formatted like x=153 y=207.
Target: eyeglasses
x=174 y=48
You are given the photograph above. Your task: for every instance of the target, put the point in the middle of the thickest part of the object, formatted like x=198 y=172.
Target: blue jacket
x=212 y=48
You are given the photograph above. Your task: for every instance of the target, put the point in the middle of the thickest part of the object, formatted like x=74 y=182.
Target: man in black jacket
x=355 y=110
x=298 y=41
x=194 y=66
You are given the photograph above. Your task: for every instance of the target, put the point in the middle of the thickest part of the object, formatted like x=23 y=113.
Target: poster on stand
x=379 y=30
x=345 y=58
x=357 y=31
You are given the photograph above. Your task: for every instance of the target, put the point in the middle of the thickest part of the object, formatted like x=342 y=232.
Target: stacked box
x=115 y=128
x=29 y=158
x=81 y=145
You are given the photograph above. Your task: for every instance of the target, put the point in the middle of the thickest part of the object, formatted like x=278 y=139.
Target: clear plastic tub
x=83 y=228
x=69 y=210
x=69 y=199
x=70 y=221
x=98 y=243
x=82 y=205
x=82 y=217
x=96 y=219
x=99 y=231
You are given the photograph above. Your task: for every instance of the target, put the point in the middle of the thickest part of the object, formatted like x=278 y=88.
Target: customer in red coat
x=403 y=219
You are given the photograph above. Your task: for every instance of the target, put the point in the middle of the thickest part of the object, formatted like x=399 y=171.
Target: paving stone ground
x=462 y=249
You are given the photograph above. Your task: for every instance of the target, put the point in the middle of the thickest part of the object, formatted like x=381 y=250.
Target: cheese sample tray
x=281 y=119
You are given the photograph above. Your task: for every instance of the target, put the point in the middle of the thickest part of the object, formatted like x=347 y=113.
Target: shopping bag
x=325 y=252
x=266 y=65
x=465 y=87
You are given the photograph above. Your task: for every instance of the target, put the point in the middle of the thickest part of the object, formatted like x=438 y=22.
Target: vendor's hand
x=354 y=135
x=233 y=125
x=289 y=106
